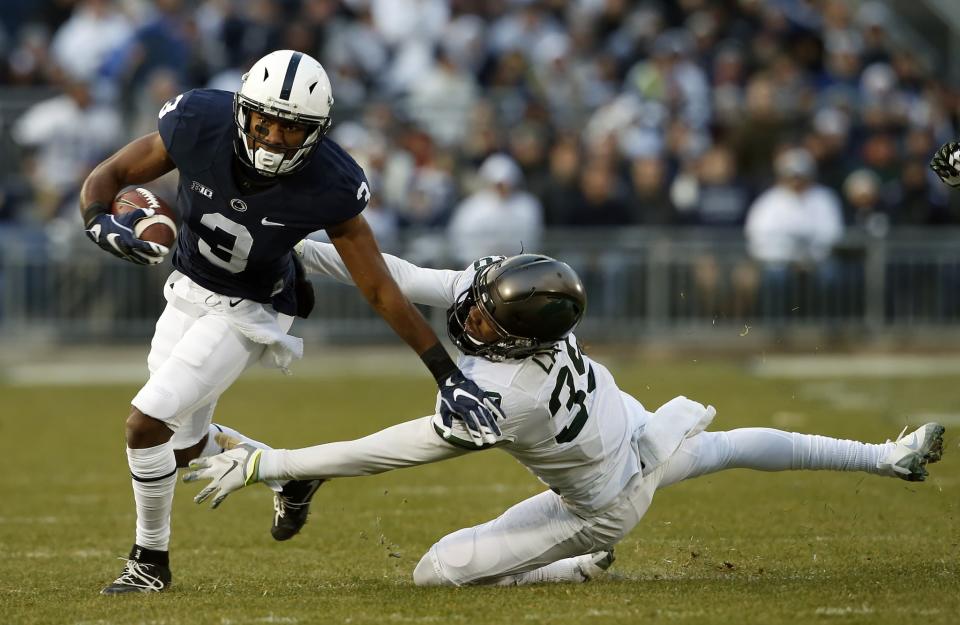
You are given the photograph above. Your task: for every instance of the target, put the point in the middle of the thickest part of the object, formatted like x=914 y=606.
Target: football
x=161 y=227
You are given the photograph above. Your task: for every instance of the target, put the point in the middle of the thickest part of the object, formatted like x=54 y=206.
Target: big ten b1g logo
x=203 y=190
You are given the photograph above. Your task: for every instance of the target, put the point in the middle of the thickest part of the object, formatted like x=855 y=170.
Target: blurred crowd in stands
x=491 y=120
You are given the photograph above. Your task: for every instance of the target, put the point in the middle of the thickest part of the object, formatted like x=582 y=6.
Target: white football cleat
x=909 y=457
x=595 y=564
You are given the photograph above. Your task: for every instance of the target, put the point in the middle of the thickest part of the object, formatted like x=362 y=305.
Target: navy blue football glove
x=114 y=233
x=461 y=399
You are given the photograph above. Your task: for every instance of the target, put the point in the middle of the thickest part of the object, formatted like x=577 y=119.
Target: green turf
x=733 y=547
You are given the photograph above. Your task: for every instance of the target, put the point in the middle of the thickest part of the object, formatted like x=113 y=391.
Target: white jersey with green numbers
x=566 y=419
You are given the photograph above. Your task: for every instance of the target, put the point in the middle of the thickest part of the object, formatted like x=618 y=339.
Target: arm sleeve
x=404 y=445
x=432 y=287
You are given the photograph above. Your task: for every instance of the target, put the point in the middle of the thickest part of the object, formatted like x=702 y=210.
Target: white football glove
x=946 y=163
x=227 y=472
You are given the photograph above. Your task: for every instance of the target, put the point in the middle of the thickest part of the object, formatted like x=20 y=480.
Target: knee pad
x=425 y=574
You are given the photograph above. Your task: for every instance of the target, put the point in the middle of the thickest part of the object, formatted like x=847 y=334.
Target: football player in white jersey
x=598 y=450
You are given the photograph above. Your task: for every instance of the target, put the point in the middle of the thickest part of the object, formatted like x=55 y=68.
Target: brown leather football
x=161 y=227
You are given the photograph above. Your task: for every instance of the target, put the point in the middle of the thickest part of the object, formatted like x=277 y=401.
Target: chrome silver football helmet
x=533 y=301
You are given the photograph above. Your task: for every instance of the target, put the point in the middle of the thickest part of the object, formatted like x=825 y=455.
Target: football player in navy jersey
x=256 y=176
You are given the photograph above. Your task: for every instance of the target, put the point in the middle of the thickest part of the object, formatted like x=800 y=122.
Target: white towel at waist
x=258 y=322
x=667 y=427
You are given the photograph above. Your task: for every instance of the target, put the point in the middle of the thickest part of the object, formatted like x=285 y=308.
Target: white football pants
x=192 y=361
x=543 y=529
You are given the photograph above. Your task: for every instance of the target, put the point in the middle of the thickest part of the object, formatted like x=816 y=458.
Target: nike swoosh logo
x=232 y=467
x=233 y=304
x=461 y=393
x=915 y=446
x=267 y=222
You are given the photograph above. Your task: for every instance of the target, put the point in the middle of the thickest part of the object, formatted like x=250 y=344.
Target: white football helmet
x=288 y=85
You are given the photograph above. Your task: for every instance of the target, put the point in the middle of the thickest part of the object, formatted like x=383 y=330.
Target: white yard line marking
x=859 y=366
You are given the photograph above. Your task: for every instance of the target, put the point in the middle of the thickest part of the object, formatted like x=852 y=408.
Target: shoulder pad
x=195 y=120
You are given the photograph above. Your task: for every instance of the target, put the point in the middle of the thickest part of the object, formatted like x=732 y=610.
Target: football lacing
x=281 y=503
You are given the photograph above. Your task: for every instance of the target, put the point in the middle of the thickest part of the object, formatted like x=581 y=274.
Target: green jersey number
x=575 y=397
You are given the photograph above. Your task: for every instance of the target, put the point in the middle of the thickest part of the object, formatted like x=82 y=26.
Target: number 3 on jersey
x=233 y=252
x=574 y=405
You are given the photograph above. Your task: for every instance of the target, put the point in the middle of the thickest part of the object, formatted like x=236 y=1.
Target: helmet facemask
x=279 y=159
x=286 y=87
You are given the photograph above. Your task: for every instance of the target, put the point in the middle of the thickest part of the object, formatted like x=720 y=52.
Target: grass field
x=733 y=547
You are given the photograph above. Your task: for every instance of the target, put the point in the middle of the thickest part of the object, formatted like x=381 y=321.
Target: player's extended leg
x=538 y=540
x=767 y=449
x=192 y=361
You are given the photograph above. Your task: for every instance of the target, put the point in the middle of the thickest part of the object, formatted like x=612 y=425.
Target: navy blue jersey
x=240 y=243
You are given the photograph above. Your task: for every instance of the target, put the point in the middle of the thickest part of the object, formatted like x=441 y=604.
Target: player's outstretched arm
x=946 y=163
x=140 y=161
x=431 y=287
x=460 y=397
x=403 y=445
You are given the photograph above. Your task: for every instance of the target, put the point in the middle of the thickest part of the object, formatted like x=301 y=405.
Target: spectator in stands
x=499 y=218
x=523 y=29
x=727 y=87
x=441 y=99
x=722 y=198
x=560 y=198
x=403 y=21
x=601 y=196
x=64 y=138
x=527 y=144
x=93 y=31
x=712 y=195
x=758 y=132
x=829 y=143
x=419 y=181
x=863 y=204
x=28 y=62
x=650 y=202
x=165 y=40
x=672 y=79
x=915 y=202
x=791 y=230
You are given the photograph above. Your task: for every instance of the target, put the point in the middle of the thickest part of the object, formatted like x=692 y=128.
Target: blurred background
x=724 y=174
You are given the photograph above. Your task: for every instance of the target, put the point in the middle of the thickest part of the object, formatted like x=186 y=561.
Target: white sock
x=566 y=570
x=154 y=473
x=766 y=449
x=212 y=448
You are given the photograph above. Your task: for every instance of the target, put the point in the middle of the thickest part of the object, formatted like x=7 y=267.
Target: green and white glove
x=946 y=163
x=227 y=472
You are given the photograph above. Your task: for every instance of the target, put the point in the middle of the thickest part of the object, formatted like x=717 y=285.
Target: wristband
x=92 y=211
x=439 y=363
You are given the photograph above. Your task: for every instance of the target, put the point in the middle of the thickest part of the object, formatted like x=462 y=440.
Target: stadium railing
x=676 y=285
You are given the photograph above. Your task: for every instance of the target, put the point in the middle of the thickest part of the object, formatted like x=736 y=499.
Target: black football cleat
x=142 y=576
x=291 y=507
